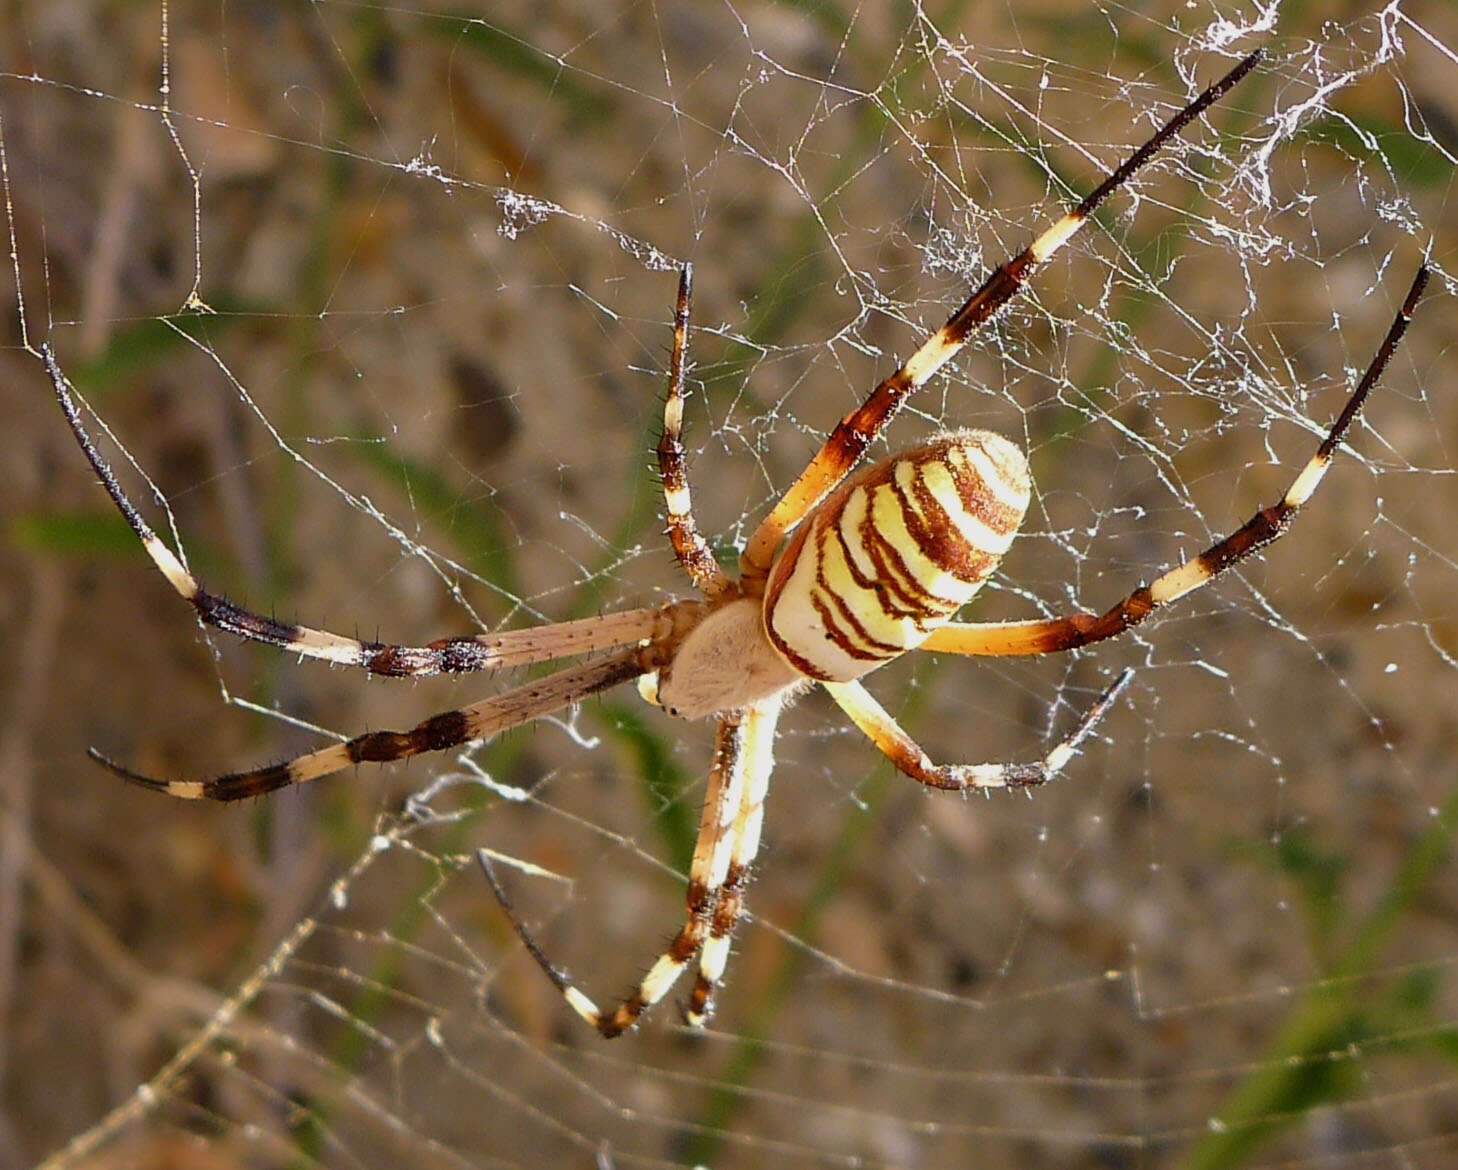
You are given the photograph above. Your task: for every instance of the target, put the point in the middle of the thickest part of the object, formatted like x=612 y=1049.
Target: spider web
x=374 y=303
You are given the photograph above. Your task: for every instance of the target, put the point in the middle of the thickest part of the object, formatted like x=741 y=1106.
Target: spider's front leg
x=855 y=432
x=456 y=655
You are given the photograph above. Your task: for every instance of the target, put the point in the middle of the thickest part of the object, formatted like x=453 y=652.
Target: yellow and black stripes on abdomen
x=894 y=553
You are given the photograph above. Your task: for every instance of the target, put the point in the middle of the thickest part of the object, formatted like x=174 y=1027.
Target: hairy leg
x=1269 y=524
x=689 y=546
x=903 y=751
x=854 y=433
x=742 y=761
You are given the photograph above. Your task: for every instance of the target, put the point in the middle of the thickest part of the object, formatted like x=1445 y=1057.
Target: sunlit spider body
x=845 y=573
x=891 y=555
x=894 y=553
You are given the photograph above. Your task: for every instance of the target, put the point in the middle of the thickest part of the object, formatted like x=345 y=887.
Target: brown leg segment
x=1267 y=525
x=903 y=751
x=449 y=729
x=854 y=433
x=712 y=852
x=689 y=546
x=444 y=656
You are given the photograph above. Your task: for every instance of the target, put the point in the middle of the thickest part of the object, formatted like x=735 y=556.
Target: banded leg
x=449 y=729
x=854 y=433
x=443 y=656
x=712 y=852
x=689 y=545
x=1267 y=525
x=759 y=738
x=903 y=751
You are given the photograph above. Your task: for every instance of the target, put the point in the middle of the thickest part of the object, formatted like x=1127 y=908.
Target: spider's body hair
x=726 y=663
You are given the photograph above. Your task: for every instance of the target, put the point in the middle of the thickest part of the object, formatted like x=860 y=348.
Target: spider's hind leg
x=476 y=721
x=903 y=751
x=758 y=755
x=728 y=837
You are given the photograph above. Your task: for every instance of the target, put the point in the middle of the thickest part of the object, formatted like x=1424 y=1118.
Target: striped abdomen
x=894 y=552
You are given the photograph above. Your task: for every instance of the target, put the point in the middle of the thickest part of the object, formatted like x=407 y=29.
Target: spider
x=844 y=574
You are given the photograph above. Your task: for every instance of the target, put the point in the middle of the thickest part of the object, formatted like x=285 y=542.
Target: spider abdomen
x=894 y=552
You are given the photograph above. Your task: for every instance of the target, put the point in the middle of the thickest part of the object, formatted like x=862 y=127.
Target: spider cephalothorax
x=845 y=573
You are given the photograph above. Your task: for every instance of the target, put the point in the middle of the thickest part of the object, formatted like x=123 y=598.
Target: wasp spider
x=843 y=575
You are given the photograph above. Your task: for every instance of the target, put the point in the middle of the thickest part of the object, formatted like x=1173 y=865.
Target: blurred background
x=375 y=303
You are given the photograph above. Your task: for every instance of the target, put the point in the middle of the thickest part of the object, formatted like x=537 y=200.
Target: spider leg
x=689 y=546
x=446 y=655
x=742 y=761
x=1267 y=525
x=906 y=754
x=481 y=720
x=758 y=750
x=854 y=433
